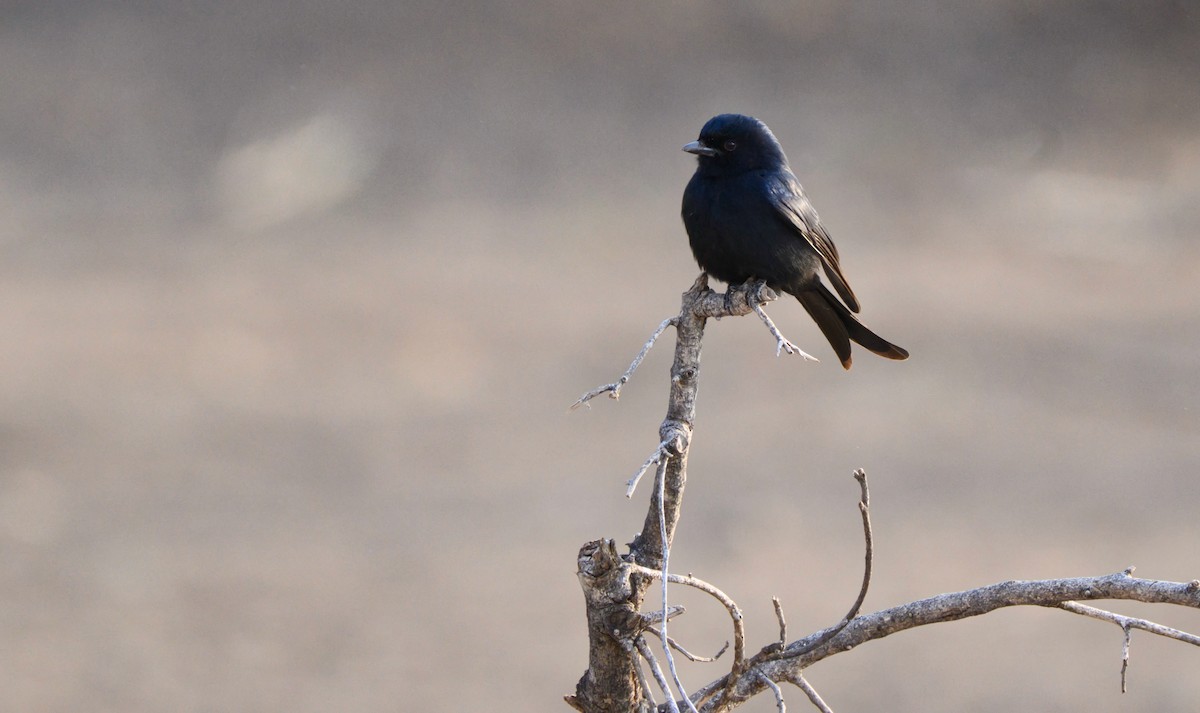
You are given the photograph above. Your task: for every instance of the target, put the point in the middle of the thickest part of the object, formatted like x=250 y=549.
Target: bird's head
x=733 y=143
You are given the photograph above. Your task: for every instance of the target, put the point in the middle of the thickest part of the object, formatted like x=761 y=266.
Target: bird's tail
x=840 y=327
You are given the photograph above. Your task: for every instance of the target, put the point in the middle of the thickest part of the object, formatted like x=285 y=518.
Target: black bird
x=747 y=218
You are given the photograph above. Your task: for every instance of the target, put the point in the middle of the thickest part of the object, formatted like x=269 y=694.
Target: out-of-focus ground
x=294 y=296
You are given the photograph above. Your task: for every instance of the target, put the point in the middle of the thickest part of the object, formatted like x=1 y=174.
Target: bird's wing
x=788 y=198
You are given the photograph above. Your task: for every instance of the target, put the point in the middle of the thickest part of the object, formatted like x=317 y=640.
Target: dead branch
x=735 y=613
x=779 y=704
x=614 y=389
x=809 y=691
x=615 y=585
x=688 y=654
x=801 y=654
x=782 y=621
x=1127 y=624
x=644 y=649
x=614 y=595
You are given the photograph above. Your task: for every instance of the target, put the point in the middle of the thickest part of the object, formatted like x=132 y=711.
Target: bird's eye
x=730 y=145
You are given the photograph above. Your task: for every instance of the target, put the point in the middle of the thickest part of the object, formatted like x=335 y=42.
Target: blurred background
x=295 y=297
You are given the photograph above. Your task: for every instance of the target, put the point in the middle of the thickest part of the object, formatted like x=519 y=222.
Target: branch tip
x=1125 y=656
x=782 y=622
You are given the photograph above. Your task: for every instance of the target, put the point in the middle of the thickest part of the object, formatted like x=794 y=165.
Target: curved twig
x=735 y=612
x=688 y=654
x=864 y=507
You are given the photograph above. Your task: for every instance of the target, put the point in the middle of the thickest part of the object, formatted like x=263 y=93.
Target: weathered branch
x=779 y=704
x=800 y=654
x=735 y=612
x=690 y=656
x=615 y=585
x=1127 y=624
x=644 y=649
x=614 y=389
x=782 y=622
x=809 y=691
x=613 y=593
x=864 y=508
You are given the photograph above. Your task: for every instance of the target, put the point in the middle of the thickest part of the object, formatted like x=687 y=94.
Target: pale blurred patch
x=303 y=170
x=31 y=507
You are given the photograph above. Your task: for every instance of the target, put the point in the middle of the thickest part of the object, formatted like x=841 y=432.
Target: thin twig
x=735 y=612
x=864 y=508
x=614 y=389
x=811 y=692
x=1125 y=657
x=690 y=656
x=782 y=344
x=659 y=456
x=1127 y=624
x=779 y=704
x=1123 y=621
x=644 y=649
x=656 y=616
x=782 y=621
x=647 y=691
x=702 y=695
x=666 y=556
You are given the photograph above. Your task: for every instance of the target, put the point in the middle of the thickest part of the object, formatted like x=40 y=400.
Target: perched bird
x=747 y=218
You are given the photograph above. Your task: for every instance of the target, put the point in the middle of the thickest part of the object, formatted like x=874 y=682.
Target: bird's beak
x=699 y=149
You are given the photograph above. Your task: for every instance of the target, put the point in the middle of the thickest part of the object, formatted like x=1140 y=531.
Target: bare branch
x=666 y=556
x=782 y=621
x=735 y=613
x=864 y=508
x=811 y=692
x=1131 y=622
x=690 y=656
x=942 y=608
x=644 y=649
x=615 y=586
x=779 y=704
x=653 y=617
x=1127 y=624
x=1125 y=658
x=614 y=389
x=647 y=691
x=659 y=456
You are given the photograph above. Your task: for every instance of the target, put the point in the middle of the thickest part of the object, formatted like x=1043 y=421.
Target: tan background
x=295 y=296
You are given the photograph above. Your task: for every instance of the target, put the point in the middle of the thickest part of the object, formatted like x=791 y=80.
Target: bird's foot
x=782 y=343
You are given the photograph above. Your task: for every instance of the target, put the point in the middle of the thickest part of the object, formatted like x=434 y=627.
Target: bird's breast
x=737 y=234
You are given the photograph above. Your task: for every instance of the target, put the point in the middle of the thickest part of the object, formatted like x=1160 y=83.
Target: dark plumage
x=747 y=218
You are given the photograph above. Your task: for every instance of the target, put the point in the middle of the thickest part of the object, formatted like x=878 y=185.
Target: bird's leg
x=755 y=290
x=782 y=343
x=749 y=287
